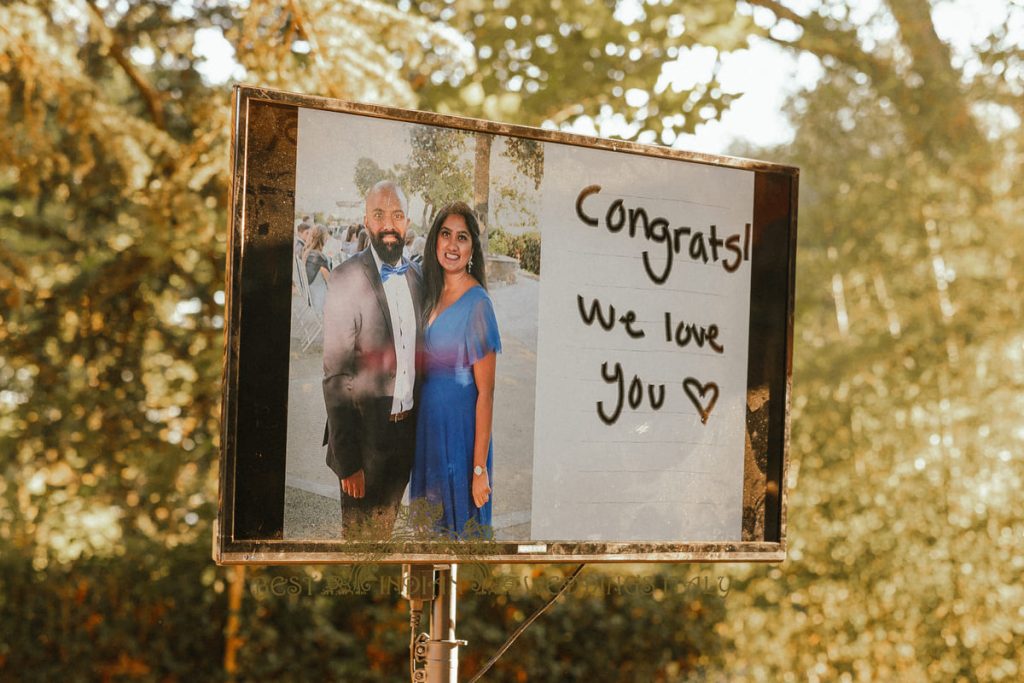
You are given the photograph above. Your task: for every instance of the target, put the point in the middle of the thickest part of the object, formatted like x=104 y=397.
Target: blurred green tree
x=908 y=358
x=906 y=437
x=113 y=185
x=541 y=62
x=438 y=170
x=113 y=190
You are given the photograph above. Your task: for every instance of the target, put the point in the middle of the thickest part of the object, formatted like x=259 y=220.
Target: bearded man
x=372 y=330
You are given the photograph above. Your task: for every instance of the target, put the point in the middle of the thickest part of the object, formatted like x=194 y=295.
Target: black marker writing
x=697 y=391
x=698 y=246
x=634 y=397
x=584 y=193
x=596 y=312
x=683 y=333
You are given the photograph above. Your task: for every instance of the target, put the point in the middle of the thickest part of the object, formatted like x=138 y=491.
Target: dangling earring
x=469 y=266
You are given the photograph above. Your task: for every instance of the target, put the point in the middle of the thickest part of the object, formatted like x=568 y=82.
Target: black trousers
x=373 y=516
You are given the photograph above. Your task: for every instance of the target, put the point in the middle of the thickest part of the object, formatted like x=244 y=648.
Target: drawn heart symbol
x=697 y=391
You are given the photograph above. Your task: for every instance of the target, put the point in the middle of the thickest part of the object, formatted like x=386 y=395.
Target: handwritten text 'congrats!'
x=634 y=221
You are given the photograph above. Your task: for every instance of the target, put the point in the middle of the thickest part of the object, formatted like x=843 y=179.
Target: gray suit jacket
x=360 y=363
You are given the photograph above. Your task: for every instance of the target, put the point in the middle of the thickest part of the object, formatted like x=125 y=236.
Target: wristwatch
x=477 y=471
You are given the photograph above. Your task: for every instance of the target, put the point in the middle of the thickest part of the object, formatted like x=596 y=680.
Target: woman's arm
x=483 y=376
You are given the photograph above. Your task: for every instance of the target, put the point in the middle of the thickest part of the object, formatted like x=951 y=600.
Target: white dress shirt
x=403 y=323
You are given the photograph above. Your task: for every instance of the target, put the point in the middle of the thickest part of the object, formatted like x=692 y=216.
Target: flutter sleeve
x=481 y=338
x=482 y=335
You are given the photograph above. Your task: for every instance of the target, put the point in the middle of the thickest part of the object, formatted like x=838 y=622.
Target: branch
x=152 y=97
x=819 y=39
x=941 y=90
x=936 y=112
x=305 y=30
x=577 y=108
x=843 y=45
x=931 y=56
x=780 y=10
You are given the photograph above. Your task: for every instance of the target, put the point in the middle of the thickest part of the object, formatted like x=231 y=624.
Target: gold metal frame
x=246 y=194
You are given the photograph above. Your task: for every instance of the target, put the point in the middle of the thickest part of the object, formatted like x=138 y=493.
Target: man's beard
x=388 y=253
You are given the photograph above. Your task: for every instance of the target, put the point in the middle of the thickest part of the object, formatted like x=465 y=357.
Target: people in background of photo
x=301 y=235
x=333 y=247
x=371 y=337
x=407 y=249
x=362 y=241
x=351 y=240
x=317 y=265
x=416 y=250
x=452 y=470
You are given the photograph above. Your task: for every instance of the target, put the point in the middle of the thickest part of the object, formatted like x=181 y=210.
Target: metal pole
x=439 y=650
x=443 y=648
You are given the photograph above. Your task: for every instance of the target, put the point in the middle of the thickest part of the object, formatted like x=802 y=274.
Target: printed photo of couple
x=413 y=332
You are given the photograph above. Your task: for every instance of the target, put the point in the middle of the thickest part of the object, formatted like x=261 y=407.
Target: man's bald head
x=387 y=219
x=387 y=187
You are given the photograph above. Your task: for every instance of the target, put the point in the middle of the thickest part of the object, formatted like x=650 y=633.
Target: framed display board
x=456 y=339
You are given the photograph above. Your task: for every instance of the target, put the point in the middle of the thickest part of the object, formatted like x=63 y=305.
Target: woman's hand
x=483 y=376
x=481 y=489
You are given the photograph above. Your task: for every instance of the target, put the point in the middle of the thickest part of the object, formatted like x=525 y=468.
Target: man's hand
x=354 y=485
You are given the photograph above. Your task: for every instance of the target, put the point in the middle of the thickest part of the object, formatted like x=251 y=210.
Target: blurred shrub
x=157 y=615
x=161 y=615
x=525 y=248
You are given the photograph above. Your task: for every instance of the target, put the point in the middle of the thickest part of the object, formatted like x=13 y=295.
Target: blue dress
x=442 y=473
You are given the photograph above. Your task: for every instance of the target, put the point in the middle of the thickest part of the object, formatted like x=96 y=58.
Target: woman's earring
x=469 y=266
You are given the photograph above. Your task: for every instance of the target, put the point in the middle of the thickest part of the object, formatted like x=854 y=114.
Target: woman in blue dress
x=452 y=469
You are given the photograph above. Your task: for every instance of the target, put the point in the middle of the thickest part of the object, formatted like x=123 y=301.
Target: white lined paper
x=655 y=474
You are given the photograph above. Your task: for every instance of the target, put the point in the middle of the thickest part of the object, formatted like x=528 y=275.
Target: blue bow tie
x=387 y=270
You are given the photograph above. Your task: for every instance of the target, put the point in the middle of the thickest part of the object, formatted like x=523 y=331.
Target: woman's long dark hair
x=433 y=275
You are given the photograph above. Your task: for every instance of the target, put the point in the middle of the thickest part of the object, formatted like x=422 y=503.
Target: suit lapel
x=373 y=276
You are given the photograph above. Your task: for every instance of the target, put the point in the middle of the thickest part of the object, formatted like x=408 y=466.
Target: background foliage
x=906 y=438
x=524 y=247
